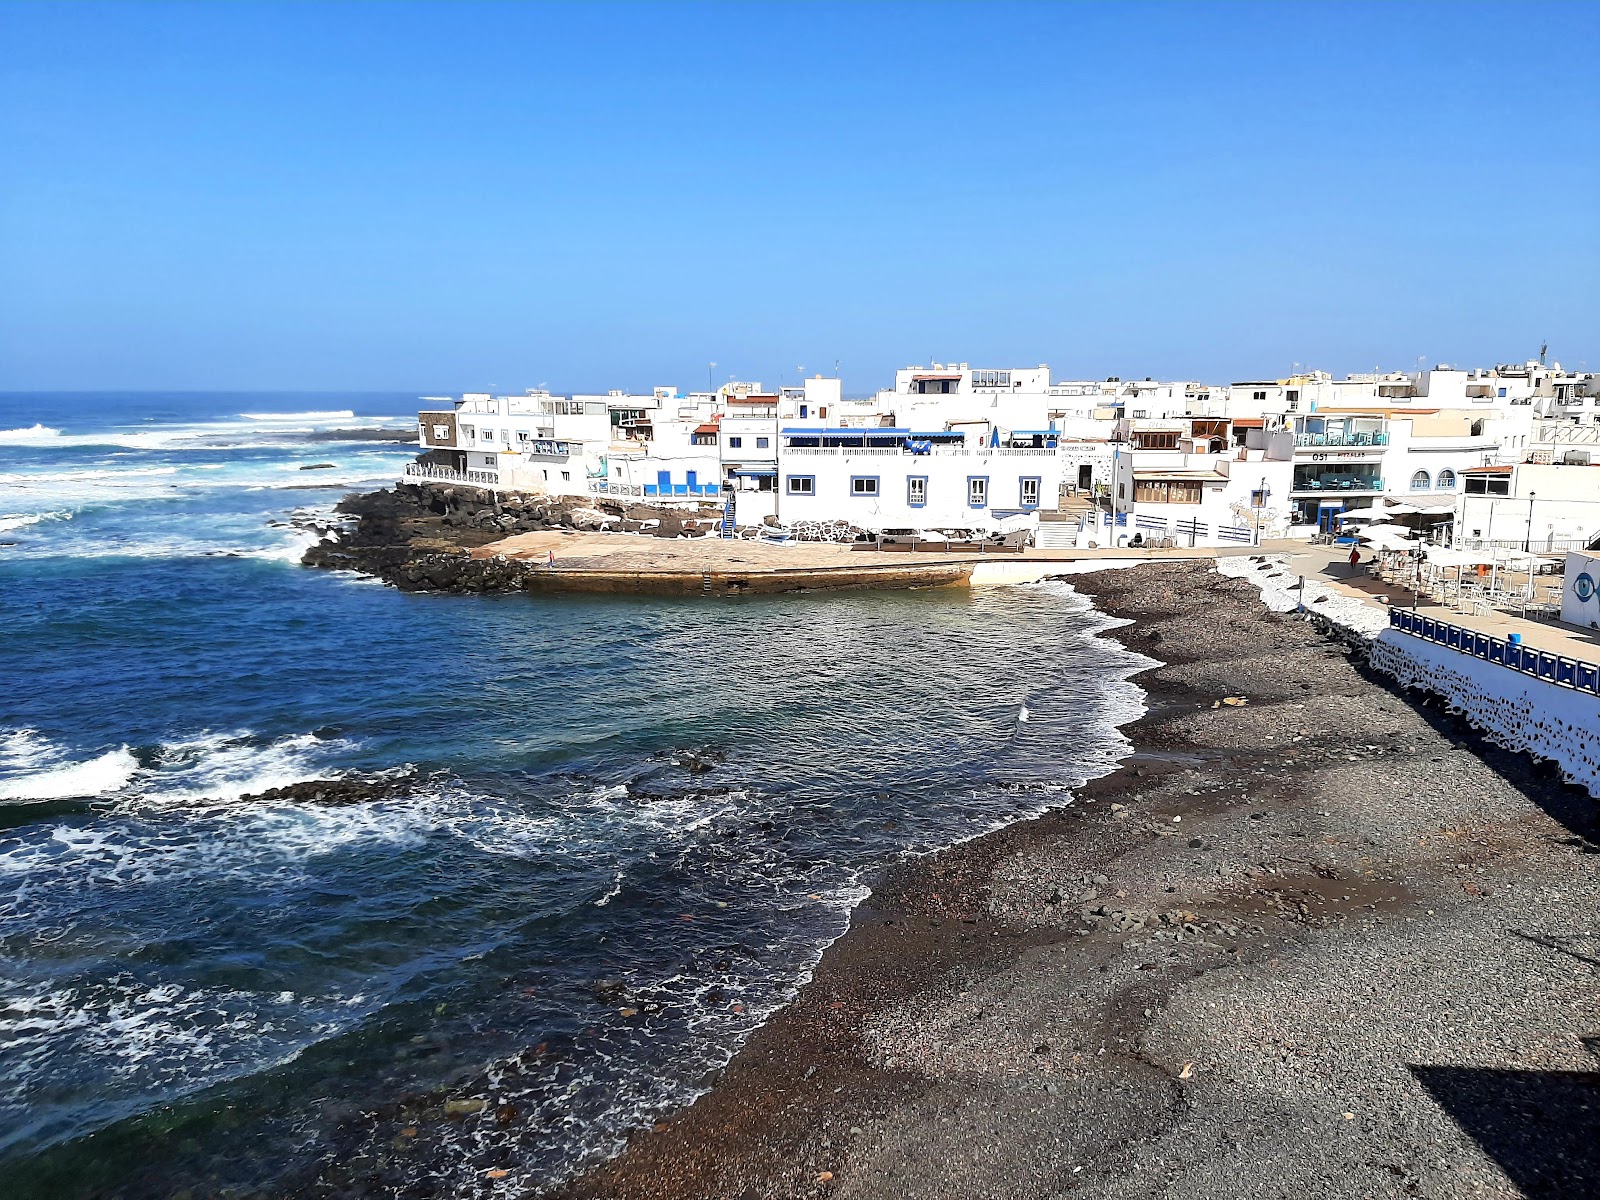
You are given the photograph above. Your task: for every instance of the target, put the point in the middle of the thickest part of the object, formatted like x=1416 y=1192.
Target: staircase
x=1056 y=535
x=727 y=518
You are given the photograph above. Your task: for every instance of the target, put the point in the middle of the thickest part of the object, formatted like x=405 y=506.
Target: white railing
x=414 y=470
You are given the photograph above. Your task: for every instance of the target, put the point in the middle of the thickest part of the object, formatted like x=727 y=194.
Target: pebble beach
x=1315 y=937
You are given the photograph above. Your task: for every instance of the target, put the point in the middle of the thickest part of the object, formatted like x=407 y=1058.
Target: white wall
x=1580 y=602
x=947 y=476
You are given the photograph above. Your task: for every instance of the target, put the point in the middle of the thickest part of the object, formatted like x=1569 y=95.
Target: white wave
x=11 y=521
x=88 y=474
x=21 y=749
x=31 y=436
x=221 y=767
x=158 y=1038
x=338 y=414
x=101 y=776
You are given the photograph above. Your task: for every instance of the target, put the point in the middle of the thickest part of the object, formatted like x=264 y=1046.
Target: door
x=694 y=482
x=664 y=482
x=1328 y=518
x=1085 y=477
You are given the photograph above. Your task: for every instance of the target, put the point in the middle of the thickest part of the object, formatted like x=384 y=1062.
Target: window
x=1258 y=395
x=466 y=431
x=802 y=412
x=1488 y=485
x=991 y=379
x=487 y=435
x=522 y=435
x=822 y=413
x=704 y=439
x=1502 y=393
x=441 y=433
x=1447 y=479
x=1166 y=491
x=1421 y=481
x=763 y=443
x=1029 y=497
x=567 y=475
x=802 y=485
x=917 y=491
x=1150 y=439
x=734 y=443
x=863 y=485
x=977 y=491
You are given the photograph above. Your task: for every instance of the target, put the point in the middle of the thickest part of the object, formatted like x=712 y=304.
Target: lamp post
x=1261 y=502
x=1527 y=539
x=710 y=367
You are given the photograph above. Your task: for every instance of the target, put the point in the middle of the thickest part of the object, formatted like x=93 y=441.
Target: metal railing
x=1352 y=440
x=1541 y=664
x=415 y=470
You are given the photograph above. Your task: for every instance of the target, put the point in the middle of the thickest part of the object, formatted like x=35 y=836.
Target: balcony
x=1356 y=485
x=1336 y=440
x=415 y=470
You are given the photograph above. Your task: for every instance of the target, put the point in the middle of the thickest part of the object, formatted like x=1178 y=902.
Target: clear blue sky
x=455 y=197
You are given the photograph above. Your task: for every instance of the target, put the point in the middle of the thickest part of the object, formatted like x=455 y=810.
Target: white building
x=1542 y=507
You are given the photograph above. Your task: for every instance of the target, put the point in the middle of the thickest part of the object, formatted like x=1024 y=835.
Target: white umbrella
x=1365 y=514
x=1393 y=531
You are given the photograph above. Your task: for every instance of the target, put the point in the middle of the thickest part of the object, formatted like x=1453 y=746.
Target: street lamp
x=1527 y=539
x=1261 y=502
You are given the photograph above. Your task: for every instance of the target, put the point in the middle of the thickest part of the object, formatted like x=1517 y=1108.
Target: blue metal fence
x=1541 y=664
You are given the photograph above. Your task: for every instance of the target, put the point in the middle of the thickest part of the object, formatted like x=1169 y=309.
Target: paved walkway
x=1330 y=566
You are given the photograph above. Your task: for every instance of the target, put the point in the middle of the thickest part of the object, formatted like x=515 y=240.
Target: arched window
x=1446 y=480
x=1420 y=482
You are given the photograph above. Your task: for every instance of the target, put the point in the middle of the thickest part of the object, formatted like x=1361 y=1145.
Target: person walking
x=1355 y=558
x=552 y=554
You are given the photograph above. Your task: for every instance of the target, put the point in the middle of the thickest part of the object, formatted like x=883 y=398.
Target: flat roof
x=870 y=431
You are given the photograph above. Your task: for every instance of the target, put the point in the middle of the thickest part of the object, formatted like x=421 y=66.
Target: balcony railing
x=1336 y=483
x=416 y=470
x=1341 y=439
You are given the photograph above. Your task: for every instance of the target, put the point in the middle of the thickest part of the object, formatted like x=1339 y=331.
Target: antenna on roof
x=1544 y=348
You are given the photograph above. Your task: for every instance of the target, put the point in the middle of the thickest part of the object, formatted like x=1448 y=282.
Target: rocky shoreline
x=1312 y=939
x=421 y=538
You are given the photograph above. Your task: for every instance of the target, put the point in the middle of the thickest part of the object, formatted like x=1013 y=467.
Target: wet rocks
x=346 y=790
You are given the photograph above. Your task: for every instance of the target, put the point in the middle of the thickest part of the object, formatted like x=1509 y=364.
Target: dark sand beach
x=1324 y=942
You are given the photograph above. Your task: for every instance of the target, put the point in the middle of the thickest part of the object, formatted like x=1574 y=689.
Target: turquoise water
x=547 y=909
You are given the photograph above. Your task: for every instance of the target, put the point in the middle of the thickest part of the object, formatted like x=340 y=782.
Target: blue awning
x=942 y=433
x=757 y=472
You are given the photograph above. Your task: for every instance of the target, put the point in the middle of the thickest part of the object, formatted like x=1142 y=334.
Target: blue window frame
x=916 y=491
x=1028 y=489
x=735 y=442
x=802 y=485
x=977 y=491
x=864 y=485
x=802 y=412
x=762 y=443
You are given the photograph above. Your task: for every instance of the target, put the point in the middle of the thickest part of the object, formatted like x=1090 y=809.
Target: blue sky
x=507 y=195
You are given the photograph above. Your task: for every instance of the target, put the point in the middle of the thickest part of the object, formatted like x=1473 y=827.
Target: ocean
x=607 y=835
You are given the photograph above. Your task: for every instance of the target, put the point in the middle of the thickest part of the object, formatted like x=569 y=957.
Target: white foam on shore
x=314 y=415
x=1277 y=582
